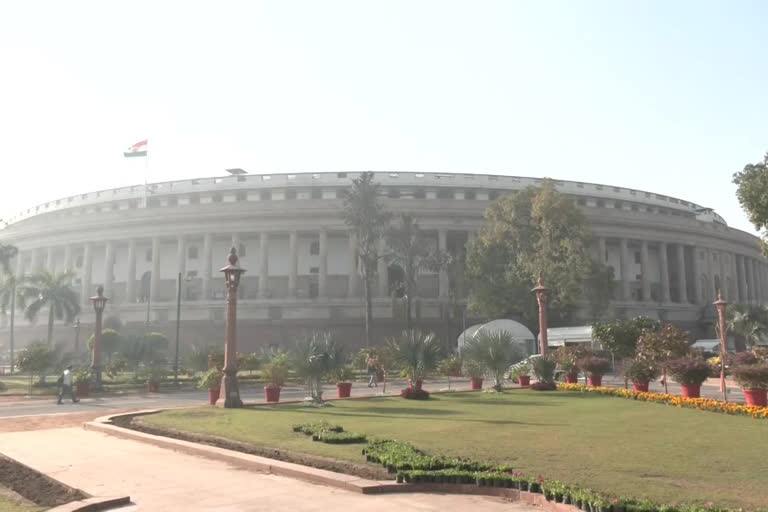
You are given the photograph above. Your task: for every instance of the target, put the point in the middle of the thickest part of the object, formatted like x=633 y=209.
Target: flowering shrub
x=751 y=376
x=742 y=358
x=704 y=404
x=640 y=371
x=689 y=372
x=595 y=366
x=414 y=394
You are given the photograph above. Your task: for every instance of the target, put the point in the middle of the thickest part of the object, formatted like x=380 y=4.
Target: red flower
x=539 y=479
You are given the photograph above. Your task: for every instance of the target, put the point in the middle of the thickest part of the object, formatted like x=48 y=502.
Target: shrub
x=568 y=358
x=495 y=352
x=414 y=353
x=472 y=369
x=544 y=369
x=640 y=371
x=82 y=375
x=343 y=373
x=690 y=372
x=742 y=358
x=596 y=366
x=544 y=386
x=414 y=394
x=451 y=365
x=751 y=376
x=276 y=370
x=211 y=379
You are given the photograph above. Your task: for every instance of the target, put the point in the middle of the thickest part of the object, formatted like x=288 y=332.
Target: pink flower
x=539 y=479
x=708 y=504
x=615 y=501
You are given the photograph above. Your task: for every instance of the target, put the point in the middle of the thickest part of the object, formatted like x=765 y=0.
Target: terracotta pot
x=272 y=394
x=476 y=383
x=640 y=386
x=379 y=376
x=595 y=380
x=344 y=389
x=153 y=387
x=691 y=391
x=213 y=395
x=571 y=378
x=524 y=380
x=83 y=389
x=758 y=397
x=418 y=384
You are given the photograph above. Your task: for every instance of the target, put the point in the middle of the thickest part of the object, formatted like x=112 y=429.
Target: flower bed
x=331 y=434
x=704 y=404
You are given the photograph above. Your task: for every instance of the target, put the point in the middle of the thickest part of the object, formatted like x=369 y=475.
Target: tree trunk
x=13 y=315
x=408 y=320
x=50 y=326
x=368 y=306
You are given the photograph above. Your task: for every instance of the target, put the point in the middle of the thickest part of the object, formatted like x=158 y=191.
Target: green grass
x=618 y=446
x=8 y=504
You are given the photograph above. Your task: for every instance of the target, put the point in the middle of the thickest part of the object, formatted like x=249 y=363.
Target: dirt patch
x=44 y=422
x=34 y=486
x=368 y=471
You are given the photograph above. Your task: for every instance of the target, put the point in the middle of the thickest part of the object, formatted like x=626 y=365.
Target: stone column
x=664 y=265
x=322 y=283
x=682 y=284
x=645 y=271
x=109 y=270
x=697 y=291
x=130 y=278
x=67 y=258
x=181 y=256
x=750 y=290
x=154 y=283
x=34 y=260
x=293 y=262
x=19 y=265
x=353 y=283
x=723 y=278
x=625 y=275
x=442 y=247
x=381 y=269
x=756 y=298
x=205 y=273
x=742 y=278
x=601 y=250
x=49 y=263
x=263 y=265
x=85 y=280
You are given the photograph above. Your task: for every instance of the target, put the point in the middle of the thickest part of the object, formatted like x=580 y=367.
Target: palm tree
x=494 y=352
x=315 y=357
x=748 y=323
x=53 y=290
x=8 y=292
x=415 y=353
x=367 y=220
x=6 y=253
x=408 y=249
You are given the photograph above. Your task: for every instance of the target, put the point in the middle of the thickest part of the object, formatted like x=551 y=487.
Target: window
x=191 y=274
x=264 y=195
x=580 y=185
x=79 y=261
x=314 y=270
x=419 y=194
x=241 y=250
x=393 y=193
x=241 y=196
x=493 y=195
x=634 y=207
x=600 y=203
x=599 y=187
x=314 y=248
x=316 y=193
x=616 y=189
x=470 y=194
x=581 y=201
x=637 y=256
x=445 y=193
x=148 y=255
x=290 y=194
x=618 y=205
x=341 y=175
x=192 y=253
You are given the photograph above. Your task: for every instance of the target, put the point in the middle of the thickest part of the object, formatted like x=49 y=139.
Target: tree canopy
x=620 y=336
x=752 y=183
x=45 y=289
x=535 y=230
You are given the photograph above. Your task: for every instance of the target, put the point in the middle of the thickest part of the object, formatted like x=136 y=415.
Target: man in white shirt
x=66 y=386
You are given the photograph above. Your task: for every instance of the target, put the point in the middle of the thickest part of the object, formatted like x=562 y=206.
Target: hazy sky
x=657 y=95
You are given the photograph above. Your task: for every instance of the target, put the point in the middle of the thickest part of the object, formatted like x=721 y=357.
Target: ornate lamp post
x=229 y=388
x=541 y=297
x=99 y=301
x=720 y=304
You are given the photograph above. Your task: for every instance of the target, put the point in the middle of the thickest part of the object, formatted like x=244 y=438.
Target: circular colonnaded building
x=669 y=255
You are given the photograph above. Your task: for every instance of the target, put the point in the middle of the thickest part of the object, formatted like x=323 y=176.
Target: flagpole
x=146 y=172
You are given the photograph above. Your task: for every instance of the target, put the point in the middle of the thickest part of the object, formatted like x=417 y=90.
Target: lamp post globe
x=541 y=298
x=99 y=302
x=720 y=304
x=230 y=391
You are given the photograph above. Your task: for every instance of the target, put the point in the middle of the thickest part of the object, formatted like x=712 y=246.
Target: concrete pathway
x=159 y=479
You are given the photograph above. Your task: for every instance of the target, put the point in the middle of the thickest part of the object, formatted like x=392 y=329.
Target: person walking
x=372 y=369
x=65 y=385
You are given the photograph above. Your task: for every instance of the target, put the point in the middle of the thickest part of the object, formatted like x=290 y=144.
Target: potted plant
x=211 y=380
x=753 y=379
x=475 y=372
x=640 y=373
x=690 y=374
x=544 y=370
x=275 y=372
x=521 y=372
x=82 y=381
x=343 y=377
x=415 y=354
x=567 y=358
x=154 y=373
x=595 y=367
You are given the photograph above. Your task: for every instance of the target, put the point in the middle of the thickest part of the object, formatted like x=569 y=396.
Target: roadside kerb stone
x=94 y=504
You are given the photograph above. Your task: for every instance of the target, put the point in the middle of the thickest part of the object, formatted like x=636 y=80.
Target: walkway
x=161 y=479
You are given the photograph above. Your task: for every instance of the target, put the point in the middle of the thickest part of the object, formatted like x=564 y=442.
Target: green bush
x=544 y=369
x=211 y=379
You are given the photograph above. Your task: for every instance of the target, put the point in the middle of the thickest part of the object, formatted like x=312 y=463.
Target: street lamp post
x=229 y=387
x=99 y=301
x=720 y=304
x=541 y=298
x=178 y=322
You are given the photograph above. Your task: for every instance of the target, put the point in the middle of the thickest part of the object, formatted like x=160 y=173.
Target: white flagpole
x=146 y=172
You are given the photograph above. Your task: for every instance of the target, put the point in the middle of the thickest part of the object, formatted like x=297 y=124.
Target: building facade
x=669 y=255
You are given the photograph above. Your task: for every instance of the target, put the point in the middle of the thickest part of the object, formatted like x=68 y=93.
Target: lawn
x=9 y=504
x=619 y=446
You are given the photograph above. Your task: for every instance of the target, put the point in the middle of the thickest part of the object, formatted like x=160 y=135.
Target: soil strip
x=35 y=486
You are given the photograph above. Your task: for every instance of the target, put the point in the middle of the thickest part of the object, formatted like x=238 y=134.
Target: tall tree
x=535 y=230
x=8 y=286
x=752 y=183
x=408 y=248
x=52 y=290
x=620 y=337
x=748 y=323
x=367 y=220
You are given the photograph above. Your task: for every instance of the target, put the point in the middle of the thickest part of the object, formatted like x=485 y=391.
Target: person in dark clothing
x=65 y=385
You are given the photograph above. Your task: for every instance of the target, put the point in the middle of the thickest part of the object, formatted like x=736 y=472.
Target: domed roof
x=519 y=332
x=468 y=334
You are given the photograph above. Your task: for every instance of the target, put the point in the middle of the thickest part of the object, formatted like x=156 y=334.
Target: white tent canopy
x=468 y=334
x=518 y=331
x=559 y=336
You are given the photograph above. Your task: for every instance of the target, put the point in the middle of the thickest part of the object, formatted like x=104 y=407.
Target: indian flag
x=138 y=149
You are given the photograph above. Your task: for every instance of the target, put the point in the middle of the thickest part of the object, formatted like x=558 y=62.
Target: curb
x=92 y=504
x=309 y=474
